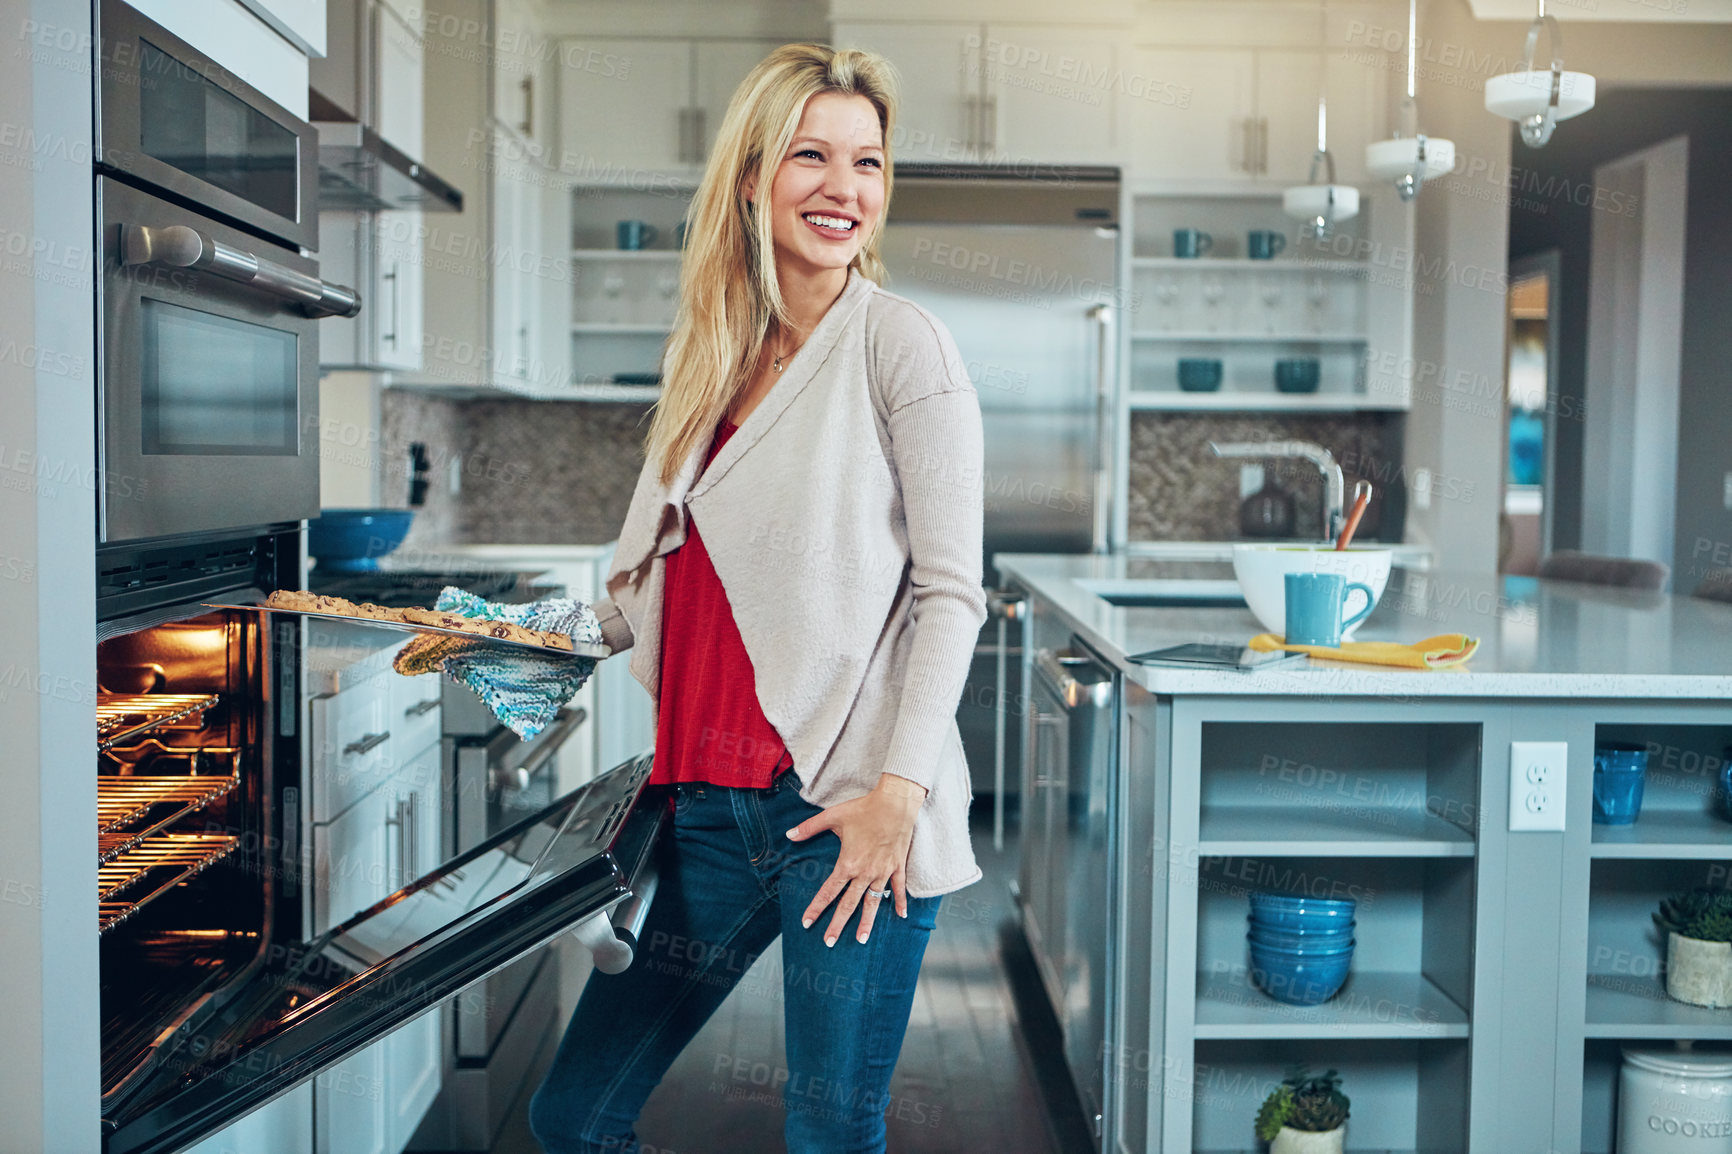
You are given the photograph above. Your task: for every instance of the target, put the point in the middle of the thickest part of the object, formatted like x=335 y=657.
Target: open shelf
x=1665 y=833
x=1164 y=400
x=624 y=329
x=1209 y=264
x=1371 y=1005
x=649 y=254
x=641 y=394
x=1248 y=337
x=1330 y=830
x=1636 y=1006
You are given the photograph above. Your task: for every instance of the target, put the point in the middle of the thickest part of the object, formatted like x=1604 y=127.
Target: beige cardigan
x=844 y=520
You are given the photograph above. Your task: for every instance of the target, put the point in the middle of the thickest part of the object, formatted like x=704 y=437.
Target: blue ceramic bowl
x=353 y=540
x=1302 y=941
x=1199 y=374
x=1286 y=912
x=1299 y=979
x=1297 y=374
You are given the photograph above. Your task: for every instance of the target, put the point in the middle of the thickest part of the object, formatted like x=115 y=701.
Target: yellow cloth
x=1440 y=652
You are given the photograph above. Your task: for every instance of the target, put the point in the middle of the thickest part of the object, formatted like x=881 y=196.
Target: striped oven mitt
x=523 y=689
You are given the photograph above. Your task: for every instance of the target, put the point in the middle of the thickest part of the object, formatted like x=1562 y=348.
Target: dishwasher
x=1068 y=846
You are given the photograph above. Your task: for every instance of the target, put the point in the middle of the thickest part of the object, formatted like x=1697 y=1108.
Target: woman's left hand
x=875 y=831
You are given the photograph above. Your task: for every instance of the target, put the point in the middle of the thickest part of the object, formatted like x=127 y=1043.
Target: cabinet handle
x=700 y=147
x=421 y=707
x=1263 y=144
x=527 y=124
x=970 y=122
x=988 y=125
x=689 y=146
x=392 y=314
x=410 y=857
x=1248 y=145
x=369 y=742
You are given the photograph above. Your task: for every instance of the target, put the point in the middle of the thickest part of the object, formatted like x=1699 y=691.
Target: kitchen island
x=1497 y=972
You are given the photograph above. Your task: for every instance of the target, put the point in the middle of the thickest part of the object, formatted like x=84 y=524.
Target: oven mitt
x=1440 y=652
x=524 y=690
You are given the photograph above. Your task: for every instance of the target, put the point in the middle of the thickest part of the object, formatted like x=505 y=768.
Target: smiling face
x=828 y=192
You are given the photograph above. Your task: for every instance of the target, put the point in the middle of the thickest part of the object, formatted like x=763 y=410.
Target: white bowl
x=1262 y=572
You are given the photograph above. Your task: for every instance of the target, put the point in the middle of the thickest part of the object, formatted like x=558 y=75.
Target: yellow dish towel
x=1440 y=652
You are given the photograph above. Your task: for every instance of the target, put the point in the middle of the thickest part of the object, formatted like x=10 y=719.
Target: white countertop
x=1537 y=638
x=1409 y=556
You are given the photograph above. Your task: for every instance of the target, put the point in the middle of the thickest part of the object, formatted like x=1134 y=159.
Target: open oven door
x=316 y=1003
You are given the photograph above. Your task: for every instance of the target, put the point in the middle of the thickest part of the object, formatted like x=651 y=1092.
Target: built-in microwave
x=169 y=116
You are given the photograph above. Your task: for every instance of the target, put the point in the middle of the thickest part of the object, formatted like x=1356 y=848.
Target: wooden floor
x=979 y=1072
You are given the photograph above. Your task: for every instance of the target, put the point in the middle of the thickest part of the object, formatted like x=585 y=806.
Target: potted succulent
x=1305 y=1114
x=1698 y=928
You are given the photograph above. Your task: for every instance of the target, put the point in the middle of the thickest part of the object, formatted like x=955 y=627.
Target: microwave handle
x=184 y=247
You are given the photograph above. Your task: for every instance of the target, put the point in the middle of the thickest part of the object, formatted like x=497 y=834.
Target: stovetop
x=400 y=588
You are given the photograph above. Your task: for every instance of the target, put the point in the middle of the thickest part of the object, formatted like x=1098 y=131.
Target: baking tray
x=579 y=649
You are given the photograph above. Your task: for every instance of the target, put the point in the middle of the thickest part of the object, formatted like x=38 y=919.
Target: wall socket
x=1726 y=491
x=1536 y=784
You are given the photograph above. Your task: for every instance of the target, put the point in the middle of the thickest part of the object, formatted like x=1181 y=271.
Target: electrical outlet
x=1726 y=491
x=454 y=476
x=1536 y=785
x=1420 y=489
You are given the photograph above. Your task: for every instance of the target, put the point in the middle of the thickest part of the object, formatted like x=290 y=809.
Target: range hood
x=360 y=170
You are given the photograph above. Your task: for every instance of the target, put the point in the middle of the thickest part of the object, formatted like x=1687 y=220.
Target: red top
x=710 y=727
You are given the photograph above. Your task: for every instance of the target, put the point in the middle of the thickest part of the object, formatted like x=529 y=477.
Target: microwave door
x=333 y=996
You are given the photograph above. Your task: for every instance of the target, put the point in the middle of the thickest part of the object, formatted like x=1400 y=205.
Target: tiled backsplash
x=535 y=471
x=1180 y=491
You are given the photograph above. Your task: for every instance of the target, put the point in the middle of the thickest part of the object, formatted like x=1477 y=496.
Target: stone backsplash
x=535 y=471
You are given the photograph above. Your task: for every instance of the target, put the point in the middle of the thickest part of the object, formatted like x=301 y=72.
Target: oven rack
x=123 y=715
x=163 y=861
x=131 y=809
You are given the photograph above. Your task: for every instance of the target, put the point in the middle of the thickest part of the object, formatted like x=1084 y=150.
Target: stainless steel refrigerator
x=1021 y=263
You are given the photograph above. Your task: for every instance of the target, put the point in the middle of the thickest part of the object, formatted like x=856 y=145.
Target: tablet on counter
x=1197 y=655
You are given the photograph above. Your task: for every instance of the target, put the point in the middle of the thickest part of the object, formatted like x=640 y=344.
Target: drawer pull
x=421 y=707
x=371 y=741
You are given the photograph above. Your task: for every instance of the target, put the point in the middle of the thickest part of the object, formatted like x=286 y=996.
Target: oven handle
x=182 y=246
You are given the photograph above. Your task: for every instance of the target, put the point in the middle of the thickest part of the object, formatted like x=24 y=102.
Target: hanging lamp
x=1538 y=100
x=1320 y=206
x=1410 y=158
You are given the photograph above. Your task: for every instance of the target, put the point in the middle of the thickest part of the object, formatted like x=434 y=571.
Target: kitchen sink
x=1166 y=593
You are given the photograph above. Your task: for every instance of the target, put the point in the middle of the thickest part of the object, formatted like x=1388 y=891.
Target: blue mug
x=1191 y=243
x=1619 y=773
x=632 y=235
x=1264 y=244
x=1199 y=374
x=1297 y=374
x=1316 y=603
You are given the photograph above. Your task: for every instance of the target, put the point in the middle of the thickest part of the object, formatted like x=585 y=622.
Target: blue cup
x=1264 y=244
x=1191 y=243
x=1726 y=784
x=1297 y=374
x=1199 y=374
x=680 y=235
x=1315 y=605
x=1619 y=772
x=632 y=235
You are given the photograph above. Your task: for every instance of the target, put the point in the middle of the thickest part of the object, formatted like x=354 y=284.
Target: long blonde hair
x=729 y=294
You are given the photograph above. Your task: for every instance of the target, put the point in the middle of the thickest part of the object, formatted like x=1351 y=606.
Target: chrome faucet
x=1334 y=487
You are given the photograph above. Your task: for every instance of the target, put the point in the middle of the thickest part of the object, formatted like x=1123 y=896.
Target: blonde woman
x=798 y=578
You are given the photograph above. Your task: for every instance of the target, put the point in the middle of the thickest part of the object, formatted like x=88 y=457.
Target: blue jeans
x=731 y=881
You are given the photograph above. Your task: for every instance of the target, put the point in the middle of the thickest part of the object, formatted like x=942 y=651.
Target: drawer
x=353 y=859
x=413 y=714
x=352 y=755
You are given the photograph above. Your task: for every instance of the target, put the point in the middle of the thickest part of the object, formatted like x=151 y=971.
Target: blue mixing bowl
x=1300 y=979
x=1302 y=941
x=1287 y=912
x=353 y=540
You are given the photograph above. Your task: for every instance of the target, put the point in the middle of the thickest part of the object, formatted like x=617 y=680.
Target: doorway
x=1529 y=407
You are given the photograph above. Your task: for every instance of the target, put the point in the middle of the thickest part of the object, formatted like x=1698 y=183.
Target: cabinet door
x=514 y=55
x=346 y=257
x=414 y=1053
x=1287 y=87
x=939 y=67
x=1358 y=111
x=281 y=1127
x=397 y=81
x=622 y=105
x=1187 y=114
x=1050 y=94
x=349 y=1105
x=353 y=860
x=718 y=66
x=507 y=305
x=397 y=290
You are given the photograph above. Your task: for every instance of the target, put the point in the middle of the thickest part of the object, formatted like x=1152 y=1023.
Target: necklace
x=776 y=358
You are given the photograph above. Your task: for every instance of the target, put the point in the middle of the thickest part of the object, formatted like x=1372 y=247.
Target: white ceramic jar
x=1675 y=1101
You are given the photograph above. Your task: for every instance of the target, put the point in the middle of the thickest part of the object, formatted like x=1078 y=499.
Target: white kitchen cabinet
x=284 y=1126
x=938 y=66
x=380 y=253
x=1188 y=116
x=524 y=60
x=373 y=69
x=1049 y=94
x=397 y=80
x=624 y=106
x=1244 y=116
x=718 y=66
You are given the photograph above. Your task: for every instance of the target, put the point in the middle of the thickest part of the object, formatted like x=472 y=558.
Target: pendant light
x=1538 y=100
x=1412 y=159
x=1320 y=206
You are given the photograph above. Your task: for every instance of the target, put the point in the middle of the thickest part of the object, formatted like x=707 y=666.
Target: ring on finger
x=879 y=894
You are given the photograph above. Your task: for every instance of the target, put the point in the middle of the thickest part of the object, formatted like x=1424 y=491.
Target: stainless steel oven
x=209 y=342
x=171 y=117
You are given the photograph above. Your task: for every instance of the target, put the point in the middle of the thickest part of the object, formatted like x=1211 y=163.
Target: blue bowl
x=1299 y=979
x=1199 y=374
x=1297 y=374
x=1286 y=912
x=1302 y=941
x=353 y=540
